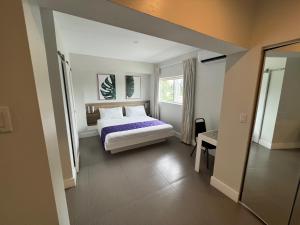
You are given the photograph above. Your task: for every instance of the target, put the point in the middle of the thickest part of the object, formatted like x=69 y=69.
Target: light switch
x=243 y=118
x=5 y=120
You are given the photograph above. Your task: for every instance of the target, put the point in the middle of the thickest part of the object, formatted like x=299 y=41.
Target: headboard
x=93 y=115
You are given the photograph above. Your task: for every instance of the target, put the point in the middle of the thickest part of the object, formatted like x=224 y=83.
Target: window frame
x=173 y=78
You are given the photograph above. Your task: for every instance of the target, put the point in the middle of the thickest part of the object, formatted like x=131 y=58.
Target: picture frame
x=106 y=86
x=133 y=86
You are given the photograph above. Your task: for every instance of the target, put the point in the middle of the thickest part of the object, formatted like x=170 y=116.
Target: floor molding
x=88 y=133
x=285 y=145
x=225 y=189
x=178 y=135
x=279 y=145
x=77 y=161
x=265 y=143
x=255 y=139
x=70 y=182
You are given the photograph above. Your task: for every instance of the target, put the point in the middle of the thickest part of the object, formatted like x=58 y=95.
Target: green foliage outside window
x=171 y=90
x=166 y=90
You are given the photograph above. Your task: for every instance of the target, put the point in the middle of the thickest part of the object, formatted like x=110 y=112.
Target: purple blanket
x=128 y=126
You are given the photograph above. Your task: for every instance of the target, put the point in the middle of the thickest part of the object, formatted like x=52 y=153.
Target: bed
x=121 y=134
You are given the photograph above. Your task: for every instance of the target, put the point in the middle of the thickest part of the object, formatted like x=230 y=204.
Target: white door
x=72 y=113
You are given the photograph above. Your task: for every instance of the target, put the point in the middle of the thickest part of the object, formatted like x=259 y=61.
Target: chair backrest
x=200 y=126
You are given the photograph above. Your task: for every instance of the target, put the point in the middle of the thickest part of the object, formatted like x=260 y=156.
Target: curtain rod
x=213 y=59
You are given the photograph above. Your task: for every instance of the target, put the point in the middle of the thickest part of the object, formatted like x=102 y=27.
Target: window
x=171 y=89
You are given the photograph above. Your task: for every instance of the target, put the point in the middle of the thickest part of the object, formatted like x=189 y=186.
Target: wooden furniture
x=92 y=117
x=210 y=137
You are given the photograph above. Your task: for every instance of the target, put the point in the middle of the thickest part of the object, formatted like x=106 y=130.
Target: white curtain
x=189 y=78
x=156 y=91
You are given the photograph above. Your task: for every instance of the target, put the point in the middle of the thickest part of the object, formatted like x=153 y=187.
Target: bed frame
x=92 y=117
x=137 y=146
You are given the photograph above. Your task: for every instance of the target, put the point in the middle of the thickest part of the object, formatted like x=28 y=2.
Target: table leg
x=198 y=155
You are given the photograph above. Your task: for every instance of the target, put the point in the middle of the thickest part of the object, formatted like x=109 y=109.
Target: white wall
x=264 y=126
x=61 y=46
x=41 y=74
x=85 y=69
x=172 y=114
x=208 y=90
x=261 y=107
x=52 y=42
x=273 y=98
x=281 y=124
x=287 y=127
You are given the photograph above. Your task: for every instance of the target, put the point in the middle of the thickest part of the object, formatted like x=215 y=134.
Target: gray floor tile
x=148 y=186
x=271 y=182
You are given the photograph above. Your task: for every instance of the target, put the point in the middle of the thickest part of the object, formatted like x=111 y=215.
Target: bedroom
x=123 y=55
x=54 y=167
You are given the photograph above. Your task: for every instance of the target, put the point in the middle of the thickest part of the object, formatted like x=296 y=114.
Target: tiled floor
x=154 y=185
x=271 y=182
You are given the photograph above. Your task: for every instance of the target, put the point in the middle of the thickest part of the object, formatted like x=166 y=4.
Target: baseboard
x=279 y=145
x=77 y=161
x=225 y=189
x=70 y=182
x=177 y=134
x=288 y=145
x=255 y=139
x=265 y=143
x=88 y=133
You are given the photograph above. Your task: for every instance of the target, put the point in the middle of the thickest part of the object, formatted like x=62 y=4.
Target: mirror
x=295 y=216
x=273 y=166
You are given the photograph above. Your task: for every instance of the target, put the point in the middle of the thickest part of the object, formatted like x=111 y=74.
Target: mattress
x=122 y=139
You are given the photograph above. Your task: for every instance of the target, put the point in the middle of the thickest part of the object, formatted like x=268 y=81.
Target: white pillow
x=111 y=113
x=135 y=111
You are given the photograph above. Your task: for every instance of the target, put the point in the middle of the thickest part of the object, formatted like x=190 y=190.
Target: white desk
x=210 y=137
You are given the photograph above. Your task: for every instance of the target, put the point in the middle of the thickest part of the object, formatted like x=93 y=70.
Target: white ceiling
x=82 y=36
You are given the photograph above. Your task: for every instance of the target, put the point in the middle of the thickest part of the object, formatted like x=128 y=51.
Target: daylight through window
x=171 y=89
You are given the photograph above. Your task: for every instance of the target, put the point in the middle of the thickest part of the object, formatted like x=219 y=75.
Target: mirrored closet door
x=273 y=166
x=295 y=216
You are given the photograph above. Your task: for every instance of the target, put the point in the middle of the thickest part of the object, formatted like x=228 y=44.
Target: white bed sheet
x=127 y=138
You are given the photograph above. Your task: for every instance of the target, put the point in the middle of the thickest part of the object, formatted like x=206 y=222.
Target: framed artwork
x=106 y=86
x=133 y=87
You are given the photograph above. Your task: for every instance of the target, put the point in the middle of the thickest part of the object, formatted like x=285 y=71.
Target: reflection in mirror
x=273 y=167
x=295 y=216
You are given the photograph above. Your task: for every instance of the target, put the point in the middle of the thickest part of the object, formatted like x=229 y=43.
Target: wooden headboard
x=93 y=116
